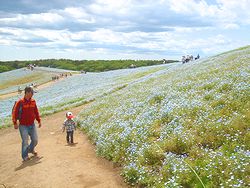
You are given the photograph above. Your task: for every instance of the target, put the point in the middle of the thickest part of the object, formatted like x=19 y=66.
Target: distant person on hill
x=24 y=113
x=19 y=90
x=70 y=126
x=198 y=57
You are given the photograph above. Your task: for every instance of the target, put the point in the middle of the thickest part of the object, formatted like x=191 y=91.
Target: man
x=24 y=113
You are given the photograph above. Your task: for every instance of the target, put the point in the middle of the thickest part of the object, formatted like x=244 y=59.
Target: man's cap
x=29 y=89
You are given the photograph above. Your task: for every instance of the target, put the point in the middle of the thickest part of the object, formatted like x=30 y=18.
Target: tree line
x=78 y=65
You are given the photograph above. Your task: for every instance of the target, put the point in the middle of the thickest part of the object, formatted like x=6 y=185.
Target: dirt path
x=57 y=164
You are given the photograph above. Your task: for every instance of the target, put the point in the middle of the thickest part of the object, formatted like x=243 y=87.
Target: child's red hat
x=69 y=115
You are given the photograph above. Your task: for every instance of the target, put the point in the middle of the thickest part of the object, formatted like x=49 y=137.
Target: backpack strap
x=20 y=110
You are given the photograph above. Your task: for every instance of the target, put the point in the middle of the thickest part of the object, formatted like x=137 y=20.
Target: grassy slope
x=23 y=80
x=22 y=77
x=187 y=127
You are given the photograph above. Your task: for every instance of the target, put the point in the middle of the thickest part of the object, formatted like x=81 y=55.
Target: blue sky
x=121 y=29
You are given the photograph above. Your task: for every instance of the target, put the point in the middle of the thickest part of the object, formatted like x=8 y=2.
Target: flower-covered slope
x=184 y=126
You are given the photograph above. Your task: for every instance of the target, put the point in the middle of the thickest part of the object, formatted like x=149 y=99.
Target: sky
x=121 y=29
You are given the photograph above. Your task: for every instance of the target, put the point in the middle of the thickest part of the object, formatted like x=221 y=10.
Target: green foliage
x=5 y=68
x=156 y=100
x=86 y=65
x=23 y=80
x=153 y=155
x=131 y=175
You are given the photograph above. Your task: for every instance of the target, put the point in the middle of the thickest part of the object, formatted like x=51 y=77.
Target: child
x=70 y=126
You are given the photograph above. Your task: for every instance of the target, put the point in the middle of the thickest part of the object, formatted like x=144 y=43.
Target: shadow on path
x=72 y=144
x=33 y=161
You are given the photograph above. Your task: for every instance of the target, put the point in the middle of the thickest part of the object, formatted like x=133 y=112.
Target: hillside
x=74 y=90
x=182 y=126
x=11 y=80
x=170 y=125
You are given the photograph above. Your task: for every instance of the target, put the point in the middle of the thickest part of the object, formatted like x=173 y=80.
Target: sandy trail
x=57 y=164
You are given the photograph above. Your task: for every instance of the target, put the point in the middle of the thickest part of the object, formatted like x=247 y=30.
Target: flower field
x=77 y=89
x=182 y=126
x=172 y=125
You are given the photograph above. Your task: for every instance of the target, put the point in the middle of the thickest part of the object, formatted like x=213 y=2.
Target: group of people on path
x=24 y=114
x=186 y=59
x=61 y=75
x=31 y=66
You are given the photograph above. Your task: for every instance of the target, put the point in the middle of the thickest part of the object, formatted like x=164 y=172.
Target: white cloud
x=5 y=42
x=118 y=7
x=240 y=9
x=193 y=7
x=43 y=18
x=132 y=27
x=227 y=13
x=33 y=19
x=53 y=35
x=10 y=31
x=79 y=14
x=52 y=18
x=231 y=26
